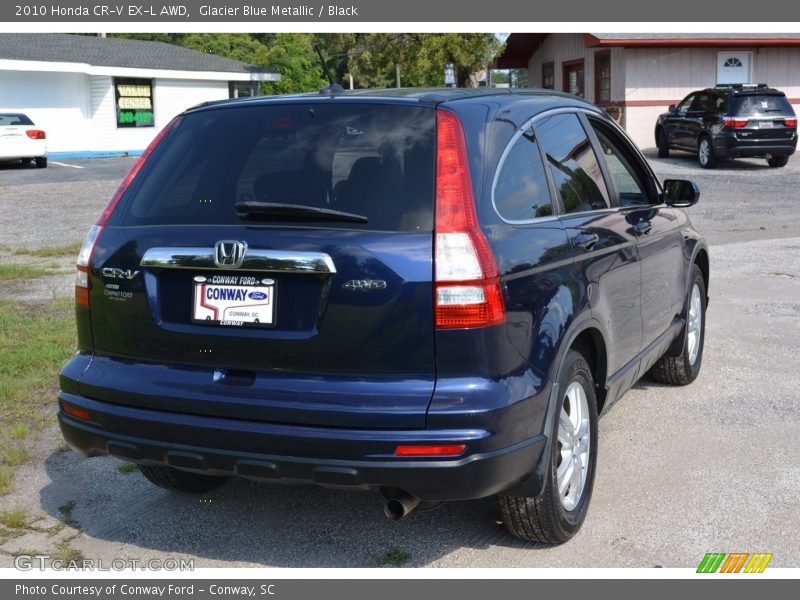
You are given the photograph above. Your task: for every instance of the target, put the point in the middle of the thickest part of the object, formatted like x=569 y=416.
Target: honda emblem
x=229 y=254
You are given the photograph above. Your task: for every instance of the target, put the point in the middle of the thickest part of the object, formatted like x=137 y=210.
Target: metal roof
x=115 y=52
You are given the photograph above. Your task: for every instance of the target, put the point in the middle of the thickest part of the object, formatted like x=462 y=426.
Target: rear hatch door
x=274 y=262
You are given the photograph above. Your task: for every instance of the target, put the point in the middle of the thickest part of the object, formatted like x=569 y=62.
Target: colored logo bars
x=743 y=562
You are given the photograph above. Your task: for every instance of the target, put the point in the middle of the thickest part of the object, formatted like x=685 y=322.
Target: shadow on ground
x=249 y=523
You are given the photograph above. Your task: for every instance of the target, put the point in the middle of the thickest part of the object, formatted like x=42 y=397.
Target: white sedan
x=21 y=140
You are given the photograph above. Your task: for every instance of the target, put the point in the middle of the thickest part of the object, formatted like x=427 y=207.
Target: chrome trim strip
x=273 y=261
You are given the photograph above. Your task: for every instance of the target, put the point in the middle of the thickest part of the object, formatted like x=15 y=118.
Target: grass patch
x=15 y=518
x=127 y=468
x=51 y=251
x=18 y=432
x=393 y=558
x=63 y=551
x=5 y=480
x=14 y=455
x=35 y=340
x=16 y=271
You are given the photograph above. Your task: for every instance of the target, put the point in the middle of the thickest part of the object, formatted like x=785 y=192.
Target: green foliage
x=371 y=58
x=293 y=56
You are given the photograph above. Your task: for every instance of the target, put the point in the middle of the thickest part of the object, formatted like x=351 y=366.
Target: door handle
x=586 y=240
x=642 y=227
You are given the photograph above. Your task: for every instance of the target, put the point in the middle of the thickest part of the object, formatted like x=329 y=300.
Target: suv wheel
x=181 y=481
x=41 y=162
x=557 y=513
x=663 y=145
x=777 y=161
x=684 y=368
x=705 y=153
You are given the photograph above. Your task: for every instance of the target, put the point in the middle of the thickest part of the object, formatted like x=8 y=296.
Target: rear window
x=367 y=159
x=761 y=104
x=14 y=119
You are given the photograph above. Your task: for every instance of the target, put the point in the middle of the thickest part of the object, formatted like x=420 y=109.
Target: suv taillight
x=36 y=134
x=790 y=121
x=467 y=281
x=734 y=122
x=82 y=285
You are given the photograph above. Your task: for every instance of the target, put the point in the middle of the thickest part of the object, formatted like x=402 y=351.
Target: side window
x=702 y=102
x=721 y=104
x=628 y=180
x=573 y=164
x=522 y=192
x=685 y=104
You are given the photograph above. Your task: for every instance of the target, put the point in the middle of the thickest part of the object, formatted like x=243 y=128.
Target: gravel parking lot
x=682 y=471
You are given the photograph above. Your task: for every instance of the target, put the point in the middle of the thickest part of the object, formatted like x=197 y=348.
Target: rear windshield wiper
x=256 y=210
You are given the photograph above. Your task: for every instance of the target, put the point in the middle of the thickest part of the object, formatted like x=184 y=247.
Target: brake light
x=84 y=259
x=112 y=204
x=734 y=122
x=790 y=122
x=430 y=450
x=36 y=134
x=467 y=279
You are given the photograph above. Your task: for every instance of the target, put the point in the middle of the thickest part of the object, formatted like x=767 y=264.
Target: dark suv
x=730 y=121
x=428 y=293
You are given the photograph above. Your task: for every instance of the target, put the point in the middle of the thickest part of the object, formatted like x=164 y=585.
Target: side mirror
x=672 y=108
x=681 y=193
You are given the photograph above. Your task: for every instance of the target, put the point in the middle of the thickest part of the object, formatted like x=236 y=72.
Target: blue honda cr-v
x=428 y=293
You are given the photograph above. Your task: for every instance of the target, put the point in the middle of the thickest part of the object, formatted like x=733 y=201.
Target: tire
x=41 y=162
x=181 y=481
x=684 y=368
x=661 y=142
x=705 y=153
x=777 y=161
x=553 y=517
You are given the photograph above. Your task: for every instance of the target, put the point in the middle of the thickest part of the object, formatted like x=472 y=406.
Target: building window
x=134 y=98
x=602 y=78
x=573 y=78
x=548 y=76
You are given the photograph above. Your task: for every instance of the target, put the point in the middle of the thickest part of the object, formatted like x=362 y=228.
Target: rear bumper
x=348 y=458
x=729 y=146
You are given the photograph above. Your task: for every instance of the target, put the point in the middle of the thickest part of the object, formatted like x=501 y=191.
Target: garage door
x=733 y=67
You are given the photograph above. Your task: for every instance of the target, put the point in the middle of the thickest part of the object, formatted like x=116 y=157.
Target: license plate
x=764 y=124
x=234 y=301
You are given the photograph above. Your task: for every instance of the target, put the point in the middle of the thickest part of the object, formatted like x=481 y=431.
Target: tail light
x=467 y=280
x=734 y=122
x=790 y=122
x=85 y=255
x=36 y=134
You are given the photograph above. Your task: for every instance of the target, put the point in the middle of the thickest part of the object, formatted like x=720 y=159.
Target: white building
x=637 y=76
x=99 y=96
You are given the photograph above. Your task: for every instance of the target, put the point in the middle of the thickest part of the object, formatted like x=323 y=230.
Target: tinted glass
x=368 y=159
x=14 y=119
x=572 y=162
x=522 y=192
x=761 y=104
x=626 y=179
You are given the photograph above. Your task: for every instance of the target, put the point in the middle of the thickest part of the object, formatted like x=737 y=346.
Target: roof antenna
x=332 y=88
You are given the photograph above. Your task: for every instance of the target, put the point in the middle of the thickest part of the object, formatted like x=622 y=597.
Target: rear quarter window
x=369 y=159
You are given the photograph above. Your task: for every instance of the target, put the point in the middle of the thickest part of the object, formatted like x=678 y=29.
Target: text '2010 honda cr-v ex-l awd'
x=429 y=293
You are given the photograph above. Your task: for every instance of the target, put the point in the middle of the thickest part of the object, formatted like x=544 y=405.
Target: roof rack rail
x=739 y=86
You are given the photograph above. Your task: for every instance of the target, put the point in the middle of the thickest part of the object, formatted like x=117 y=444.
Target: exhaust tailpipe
x=400 y=505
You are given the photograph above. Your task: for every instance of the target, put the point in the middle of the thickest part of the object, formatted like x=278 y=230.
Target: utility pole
x=397 y=74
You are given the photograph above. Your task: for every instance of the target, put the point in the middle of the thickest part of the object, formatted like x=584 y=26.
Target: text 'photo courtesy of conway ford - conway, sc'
x=432 y=294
